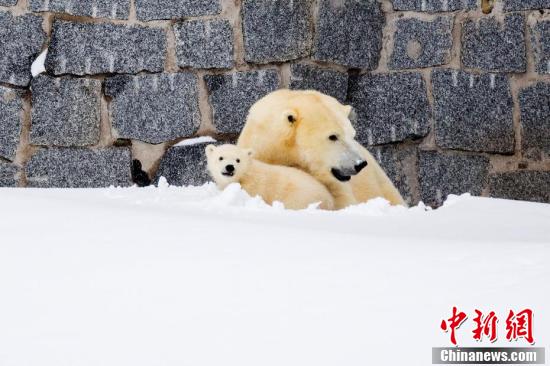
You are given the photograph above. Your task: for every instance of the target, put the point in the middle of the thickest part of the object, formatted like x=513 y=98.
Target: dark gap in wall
x=139 y=177
x=487 y=6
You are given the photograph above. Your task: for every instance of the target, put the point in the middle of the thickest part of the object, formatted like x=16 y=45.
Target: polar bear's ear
x=348 y=109
x=209 y=149
x=290 y=116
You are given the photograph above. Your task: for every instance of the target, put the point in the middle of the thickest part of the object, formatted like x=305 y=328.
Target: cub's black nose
x=230 y=168
x=361 y=166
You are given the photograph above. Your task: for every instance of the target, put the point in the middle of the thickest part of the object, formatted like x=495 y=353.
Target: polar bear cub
x=294 y=188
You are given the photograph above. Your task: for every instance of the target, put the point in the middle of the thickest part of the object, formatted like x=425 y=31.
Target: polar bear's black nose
x=230 y=168
x=361 y=166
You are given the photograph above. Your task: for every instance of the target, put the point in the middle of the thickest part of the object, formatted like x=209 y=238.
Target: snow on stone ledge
x=38 y=67
x=195 y=141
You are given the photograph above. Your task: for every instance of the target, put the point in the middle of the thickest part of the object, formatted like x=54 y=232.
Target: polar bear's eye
x=221 y=158
x=333 y=138
x=238 y=160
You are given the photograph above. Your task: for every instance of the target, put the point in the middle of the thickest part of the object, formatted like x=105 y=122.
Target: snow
x=37 y=66
x=194 y=276
x=195 y=141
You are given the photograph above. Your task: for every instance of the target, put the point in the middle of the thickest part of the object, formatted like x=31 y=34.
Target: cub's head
x=306 y=129
x=227 y=163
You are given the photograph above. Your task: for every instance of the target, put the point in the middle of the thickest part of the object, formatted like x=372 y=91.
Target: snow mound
x=209 y=197
x=486 y=219
x=195 y=141
x=197 y=276
x=38 y=67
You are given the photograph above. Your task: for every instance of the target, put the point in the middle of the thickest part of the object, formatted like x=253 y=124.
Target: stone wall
x=447 y=98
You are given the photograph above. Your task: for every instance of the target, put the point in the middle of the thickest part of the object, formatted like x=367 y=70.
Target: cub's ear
x=290 y=116
x=350 y=112
x=348 y=109
x=210 y=149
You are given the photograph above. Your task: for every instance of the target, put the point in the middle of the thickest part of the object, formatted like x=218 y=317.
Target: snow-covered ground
x=192 y=276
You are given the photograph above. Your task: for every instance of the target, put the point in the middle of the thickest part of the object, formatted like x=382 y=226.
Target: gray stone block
x=87 y=49
x=8 y=2
x=232 y=95
x=400 y=163
x=113 y=9
x=516 y=5
x=534 y=102
x=522 y=185
x=21 y=39
x=540 y=39
x=420 y=43
x=389 y=107
x=65 y=111
x=276 y=30
x=435 y=5
x=175 y=9
x=490 y=46
x=204 y=44
x=349 y=33
x=8 y=175
x=442 y=174
x=184 y=166
x=326 y=81
x=80 y=168
x=154 y=108
x=11 y=108
x=473 y=112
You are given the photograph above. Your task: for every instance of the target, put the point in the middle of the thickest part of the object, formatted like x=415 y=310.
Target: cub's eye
x=333 y=138
x=238 y=161
x=221 y=158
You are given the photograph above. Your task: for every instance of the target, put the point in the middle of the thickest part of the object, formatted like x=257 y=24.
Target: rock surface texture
x=420 y=43
x=444 y=174
x=21 y=38
x=175 y=9
x=491 y=46
x=232 y=95
x=65 y=111
x=11 y=107
x=333 y=83
x=349 y=33
x=473 y=112
x=535 y=117
x=390 y=107
x=541 y=43
x=184 y=165
x=447 y=98
x=435 y=5
x=79 y=168
x=154 y=108
x=204 y=44
x=276 y=30
x=8 y=175
x=112 y=9
x=88 y=49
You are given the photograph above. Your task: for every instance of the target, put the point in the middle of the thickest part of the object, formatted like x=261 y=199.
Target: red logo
x=485 y=325
x=518 y=325
x=453 y=323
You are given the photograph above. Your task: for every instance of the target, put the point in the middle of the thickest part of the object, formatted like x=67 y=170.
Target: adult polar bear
x=312 y=131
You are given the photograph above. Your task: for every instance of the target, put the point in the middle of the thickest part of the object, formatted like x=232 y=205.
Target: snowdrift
x=194 y=276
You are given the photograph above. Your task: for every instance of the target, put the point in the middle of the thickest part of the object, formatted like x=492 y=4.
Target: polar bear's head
x=227 y=163
x=305 y=129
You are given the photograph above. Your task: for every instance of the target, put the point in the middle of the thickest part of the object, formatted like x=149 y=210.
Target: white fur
x=274 y=183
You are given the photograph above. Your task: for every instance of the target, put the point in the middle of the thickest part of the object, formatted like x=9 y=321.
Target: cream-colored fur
x=296 y=128
x=293 y=187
